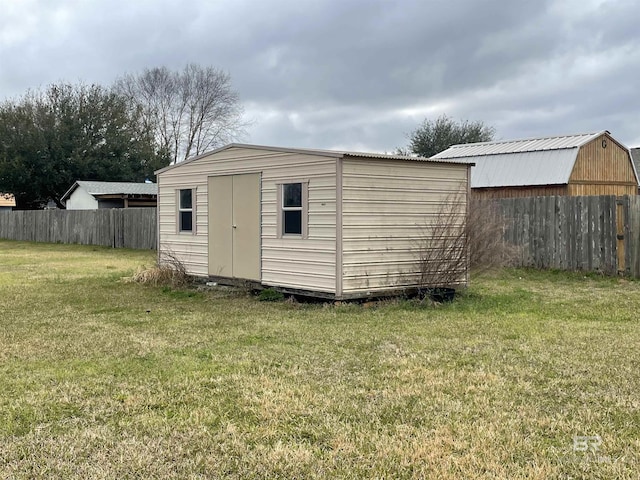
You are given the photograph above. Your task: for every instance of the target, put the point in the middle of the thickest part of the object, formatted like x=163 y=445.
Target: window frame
x=180 y=210
x=303 y=209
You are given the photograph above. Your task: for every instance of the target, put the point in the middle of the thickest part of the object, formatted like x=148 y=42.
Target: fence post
x=622 y=226
x=632 y=235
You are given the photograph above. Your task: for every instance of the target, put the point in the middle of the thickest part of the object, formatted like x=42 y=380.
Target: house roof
x=7 y=200
x=323 y=153
x=531 y=161
x=113 y=188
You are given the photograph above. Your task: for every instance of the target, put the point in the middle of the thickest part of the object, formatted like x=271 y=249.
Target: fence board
x=632 y=237
x=574 y=233
x=117 y=228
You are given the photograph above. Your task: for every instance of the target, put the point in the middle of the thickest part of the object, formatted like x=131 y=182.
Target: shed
x=583 y=164
x=7 y=201
x=330 y=224
x=89 y=195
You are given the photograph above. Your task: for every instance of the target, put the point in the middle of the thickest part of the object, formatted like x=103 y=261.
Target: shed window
x=292 y=209
x=185 y=210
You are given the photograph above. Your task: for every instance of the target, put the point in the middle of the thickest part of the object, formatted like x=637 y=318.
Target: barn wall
x=603 y=170
x=288 y=262
x=387 y=207
x=516 y=192
x=599 y=189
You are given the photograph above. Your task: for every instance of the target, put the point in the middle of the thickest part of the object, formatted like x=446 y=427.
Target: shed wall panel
x=289 y=262
x=387 y=208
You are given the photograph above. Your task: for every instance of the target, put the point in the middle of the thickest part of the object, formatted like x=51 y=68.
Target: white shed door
x=234 y=226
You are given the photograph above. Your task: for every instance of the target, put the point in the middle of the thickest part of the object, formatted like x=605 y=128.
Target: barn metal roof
x=519 y=146
x=113 y=188
x=552 y=167
x=531 y=161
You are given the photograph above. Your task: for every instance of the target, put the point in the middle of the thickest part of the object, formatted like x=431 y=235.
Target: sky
x=354 y=74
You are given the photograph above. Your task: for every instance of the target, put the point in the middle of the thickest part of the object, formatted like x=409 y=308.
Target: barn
x=583 y=164
x=332 y=224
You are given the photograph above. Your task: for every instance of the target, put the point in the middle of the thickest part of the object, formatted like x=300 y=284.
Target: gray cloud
x=354 y=74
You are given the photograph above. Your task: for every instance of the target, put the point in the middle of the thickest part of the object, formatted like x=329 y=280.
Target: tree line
x=51 y=137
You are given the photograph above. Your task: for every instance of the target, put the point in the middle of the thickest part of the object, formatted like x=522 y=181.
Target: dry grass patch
x=168 y=271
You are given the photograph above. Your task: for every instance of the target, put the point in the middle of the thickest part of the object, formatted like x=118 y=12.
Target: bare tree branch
x=461 y=238
x=191 y=111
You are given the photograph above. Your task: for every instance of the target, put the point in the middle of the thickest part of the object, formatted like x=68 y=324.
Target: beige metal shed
x=332 y=224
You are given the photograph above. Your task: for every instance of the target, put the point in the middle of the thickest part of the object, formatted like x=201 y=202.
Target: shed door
x=234 y=226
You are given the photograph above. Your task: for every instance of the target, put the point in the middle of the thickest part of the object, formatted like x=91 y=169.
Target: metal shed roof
x=325 y=153
x=532 y=161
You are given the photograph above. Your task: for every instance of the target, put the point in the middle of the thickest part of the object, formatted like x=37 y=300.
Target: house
x=86 y=195
x=330 y=224
x=7 y=201
x=635 y=156
x=584 y=164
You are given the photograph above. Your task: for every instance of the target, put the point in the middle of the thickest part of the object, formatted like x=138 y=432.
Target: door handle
x=234 y=226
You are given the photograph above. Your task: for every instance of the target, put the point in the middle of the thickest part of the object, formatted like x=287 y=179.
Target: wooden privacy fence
x=575 y=233
x=114 y=227
x=567 y=233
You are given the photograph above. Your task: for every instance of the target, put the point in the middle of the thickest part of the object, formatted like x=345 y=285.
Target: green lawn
x=101 y=378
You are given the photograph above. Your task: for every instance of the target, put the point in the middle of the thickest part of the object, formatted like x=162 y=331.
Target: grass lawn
x=106 y=379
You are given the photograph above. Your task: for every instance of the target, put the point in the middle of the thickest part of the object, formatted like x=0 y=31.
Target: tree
x=434 y=136
x=190 y=112
x=51 y=138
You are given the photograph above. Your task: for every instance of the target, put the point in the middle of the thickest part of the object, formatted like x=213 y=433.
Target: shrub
x=456 y=240
x=169 y=271
x=270 y=295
